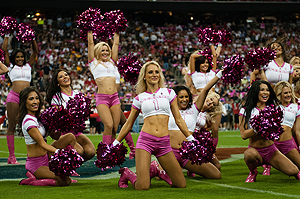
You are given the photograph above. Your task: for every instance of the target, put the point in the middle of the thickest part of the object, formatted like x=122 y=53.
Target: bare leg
x=207 y=170
x=87 y=145
x=107 y=120
x=115 y=112
x=142 y=161
x=173 y=169
x=44 y=173
x=12 y=114
x=283 y=164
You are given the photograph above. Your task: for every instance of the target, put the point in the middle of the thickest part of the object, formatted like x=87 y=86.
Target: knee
x=63 y=181
x=181 y=184
x=292 y=171
x=108 y=126
x=141 y=186
x=89 y=153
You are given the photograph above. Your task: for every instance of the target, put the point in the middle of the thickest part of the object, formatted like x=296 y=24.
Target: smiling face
x=297 y=71
x=286 y=95
x=152 y=75
x=264 y=93
x=277 y=47
x=19 y=59
x=63 y=78
x=32 y=103
x=104 y=56
x=204 y=66
x=210 y=102
x=183 y=99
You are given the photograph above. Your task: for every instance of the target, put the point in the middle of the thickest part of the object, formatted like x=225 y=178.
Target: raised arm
x=253 y=75
x=128 y=124
x=4 y=48
x=37 y=136
x=215 y=56
x=3 y=69
x=178 y=119
x=192 y=62
x=202 y=95
x=91 y=45
x=34 y=53
x=115 y=47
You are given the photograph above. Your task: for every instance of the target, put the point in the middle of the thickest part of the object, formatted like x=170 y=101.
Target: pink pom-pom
x=201 y=150
x=208 y=36
x=109 y=155
x=25 y=33
x=56 y=119
x=116 y=22
x=267 y=123
x=79 y=111
x=65 y=161
x=129 y=66
x=89 y=20
x=233 y=70
x=2 y=55
x=259 y=57
x=225 y=37
x=8 y=25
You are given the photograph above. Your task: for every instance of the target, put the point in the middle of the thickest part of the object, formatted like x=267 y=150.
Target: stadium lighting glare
x=37 y=14
x=192 y=18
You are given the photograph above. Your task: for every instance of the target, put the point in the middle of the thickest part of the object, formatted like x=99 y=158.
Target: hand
x=190 y=138
x=116 y=142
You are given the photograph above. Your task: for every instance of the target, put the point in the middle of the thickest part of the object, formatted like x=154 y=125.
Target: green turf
x=105 y=184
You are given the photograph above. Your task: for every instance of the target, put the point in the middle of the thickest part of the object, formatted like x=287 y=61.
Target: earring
x=144 y=78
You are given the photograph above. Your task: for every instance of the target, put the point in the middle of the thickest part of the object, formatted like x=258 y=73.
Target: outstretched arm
x=3 y=69
x=91 y=44
x=205 y=90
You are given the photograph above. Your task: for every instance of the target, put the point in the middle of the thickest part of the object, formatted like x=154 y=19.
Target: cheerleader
x=277 y=70
x=102 y=61
x=38 y=151
x=156 y=103
x=20 y=76
x=189 y=113
x=261 y=151
x=59 y=93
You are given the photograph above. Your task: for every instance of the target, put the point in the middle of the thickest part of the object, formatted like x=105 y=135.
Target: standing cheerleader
x=20 y=76
x=59 y=93
x=156 y=103
x=261 y=151
x=277 y=70
x=38 y=151
x=102 y=61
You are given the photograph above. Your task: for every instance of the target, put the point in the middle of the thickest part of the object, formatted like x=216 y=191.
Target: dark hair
x=282 y=47
x=53 y=87
x=201 y=60
x=12 y=58
x=22 y=105
x=250 y=100
x=177 y=89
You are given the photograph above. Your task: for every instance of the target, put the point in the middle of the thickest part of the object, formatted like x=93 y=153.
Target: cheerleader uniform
x=150 y=104
x=267 y=152
x=105 y=69
x=276 y=73
x=190 y=118
x=33 y=163
x=200 y=79
x=18 y=73
x=290 y=112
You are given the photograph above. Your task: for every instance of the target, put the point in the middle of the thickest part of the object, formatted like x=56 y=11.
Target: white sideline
x=248 y=189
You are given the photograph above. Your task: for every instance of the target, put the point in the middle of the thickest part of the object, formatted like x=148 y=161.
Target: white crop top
x=290 y=113
x=188 y=115
x=275 y=73
x=157 y=103
x=56 y=101
x=104 y=69
x=28 y=123
x=255 y=111
x=20 y=73
x=201 y=79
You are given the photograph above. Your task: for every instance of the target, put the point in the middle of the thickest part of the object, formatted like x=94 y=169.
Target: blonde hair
x=98 y=48
x=217 y=109
x=141 y=85
x=279 y=87
x=292 y=61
